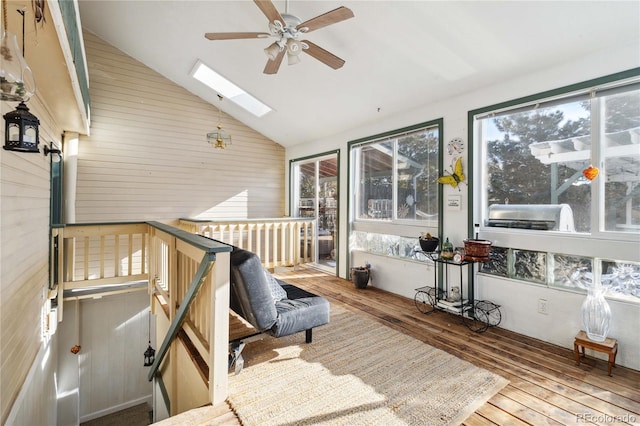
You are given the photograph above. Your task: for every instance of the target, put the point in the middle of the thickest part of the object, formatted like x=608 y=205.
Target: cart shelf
x=477 y=315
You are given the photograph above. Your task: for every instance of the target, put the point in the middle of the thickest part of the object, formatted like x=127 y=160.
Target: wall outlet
x=543 y=308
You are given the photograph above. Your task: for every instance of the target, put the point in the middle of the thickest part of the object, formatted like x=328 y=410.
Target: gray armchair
x=270 y=305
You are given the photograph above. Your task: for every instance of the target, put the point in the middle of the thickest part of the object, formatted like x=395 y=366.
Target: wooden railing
x=278 y=242
x=86 y=256
x=187 y=278
x=190 y=278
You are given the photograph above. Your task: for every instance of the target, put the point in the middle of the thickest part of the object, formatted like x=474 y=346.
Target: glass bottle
x=596 y=314
x=16 y=79
x=447 y=250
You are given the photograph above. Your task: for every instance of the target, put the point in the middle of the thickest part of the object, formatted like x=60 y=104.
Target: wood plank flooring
x=546 y=387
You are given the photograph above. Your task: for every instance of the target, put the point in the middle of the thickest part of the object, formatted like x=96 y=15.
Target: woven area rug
x=356 y=372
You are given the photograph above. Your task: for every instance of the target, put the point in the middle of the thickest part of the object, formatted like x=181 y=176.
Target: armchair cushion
x=277 y=292
x=301 y=310
x=250 y=294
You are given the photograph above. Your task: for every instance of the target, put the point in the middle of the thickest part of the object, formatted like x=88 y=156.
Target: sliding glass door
x=315 y=195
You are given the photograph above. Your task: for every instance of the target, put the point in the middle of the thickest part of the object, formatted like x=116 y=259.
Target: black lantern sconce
x=52 y=150
x=150 y=353
x=149 y=356
x=21 y=130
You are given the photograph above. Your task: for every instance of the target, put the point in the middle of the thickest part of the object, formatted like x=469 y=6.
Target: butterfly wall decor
x=456 y=178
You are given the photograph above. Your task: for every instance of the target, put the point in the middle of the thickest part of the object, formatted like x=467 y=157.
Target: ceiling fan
x=288 y=31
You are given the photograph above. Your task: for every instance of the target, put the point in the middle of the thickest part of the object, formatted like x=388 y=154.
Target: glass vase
x=596 y=315
x=16 y=79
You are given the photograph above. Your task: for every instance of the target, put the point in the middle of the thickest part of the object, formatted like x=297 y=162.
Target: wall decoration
x=455 y=146
x=454 y=203
x=591 y=172
x=456 y=178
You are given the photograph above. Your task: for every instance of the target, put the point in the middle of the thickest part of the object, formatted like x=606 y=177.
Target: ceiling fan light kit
x=273 y=50
x=287 y=29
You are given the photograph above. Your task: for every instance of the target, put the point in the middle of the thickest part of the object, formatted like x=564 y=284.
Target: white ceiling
x=399 y=54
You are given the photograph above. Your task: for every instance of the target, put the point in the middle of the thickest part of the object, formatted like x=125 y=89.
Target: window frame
x=401 y=227
x=294 y=165
x=625 y=247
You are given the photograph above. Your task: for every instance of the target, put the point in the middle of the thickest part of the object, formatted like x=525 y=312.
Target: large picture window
x=535 y=154
x=395 y=175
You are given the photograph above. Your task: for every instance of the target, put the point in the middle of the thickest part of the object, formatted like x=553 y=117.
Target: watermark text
x=605 y=418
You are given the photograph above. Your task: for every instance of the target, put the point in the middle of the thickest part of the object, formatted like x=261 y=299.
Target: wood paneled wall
x=24 y=255
x=114 y=333
x=147 y=157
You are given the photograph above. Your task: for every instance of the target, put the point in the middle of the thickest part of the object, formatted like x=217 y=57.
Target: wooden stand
x=609 y=346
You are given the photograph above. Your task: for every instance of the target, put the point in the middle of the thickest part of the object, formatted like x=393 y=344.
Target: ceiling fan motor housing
x=289 y=30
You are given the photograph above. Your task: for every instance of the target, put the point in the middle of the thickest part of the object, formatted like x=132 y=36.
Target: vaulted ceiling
x=399 y=54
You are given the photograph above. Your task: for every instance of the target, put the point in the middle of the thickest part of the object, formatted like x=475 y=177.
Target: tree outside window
x=536 y=155
x=395 y=177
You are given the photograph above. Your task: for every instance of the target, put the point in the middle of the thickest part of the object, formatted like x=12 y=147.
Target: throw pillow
x=277 y=292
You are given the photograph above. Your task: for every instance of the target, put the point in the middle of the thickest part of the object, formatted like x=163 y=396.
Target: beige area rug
x=356 y=372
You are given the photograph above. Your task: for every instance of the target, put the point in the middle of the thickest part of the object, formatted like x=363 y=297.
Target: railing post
x=219 y=339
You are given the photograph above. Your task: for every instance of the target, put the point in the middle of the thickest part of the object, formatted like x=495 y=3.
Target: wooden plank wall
x=24 y=256
x=147 y=157
x=114 y=333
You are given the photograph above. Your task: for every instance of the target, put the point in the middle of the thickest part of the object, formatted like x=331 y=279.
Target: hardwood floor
x=546 y=386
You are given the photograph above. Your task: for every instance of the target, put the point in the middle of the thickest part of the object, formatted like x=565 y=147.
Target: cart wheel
x=491 y=311
x=424 y=302
x=476 y=320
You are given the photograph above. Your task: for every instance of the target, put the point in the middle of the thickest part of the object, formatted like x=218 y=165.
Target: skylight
x=227 y=89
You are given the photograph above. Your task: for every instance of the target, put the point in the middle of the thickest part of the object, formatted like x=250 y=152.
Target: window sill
x=613 y=248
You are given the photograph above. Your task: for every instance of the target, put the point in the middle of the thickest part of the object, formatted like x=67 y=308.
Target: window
x=535 y=154
x=395 y=175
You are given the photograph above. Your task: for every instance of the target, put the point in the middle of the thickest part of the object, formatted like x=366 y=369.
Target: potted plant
x=428 y=242
x=360 y=275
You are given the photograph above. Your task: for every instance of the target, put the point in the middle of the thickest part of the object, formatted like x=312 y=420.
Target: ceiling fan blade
x=337 y=15
x=269 y=10
x=323 y=56
x=234 y=36
x=273 y=66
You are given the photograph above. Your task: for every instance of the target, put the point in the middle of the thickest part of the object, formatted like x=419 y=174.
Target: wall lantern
x=149 y=356
x=150 y=353
x=21 y=130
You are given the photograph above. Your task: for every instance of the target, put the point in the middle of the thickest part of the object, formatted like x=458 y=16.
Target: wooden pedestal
x=609 y=346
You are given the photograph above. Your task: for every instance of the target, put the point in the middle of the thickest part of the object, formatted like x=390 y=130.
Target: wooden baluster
x=130 y=255
x=232 y=228
x=102 y=238
x=267 y=245
x=274 y=252
x=116 y=256
x=258 y=247
x=283 y=244
x=86 y=258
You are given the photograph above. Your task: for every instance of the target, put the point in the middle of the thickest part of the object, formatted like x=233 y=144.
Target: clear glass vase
x=596 y=315
x=16 y=79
